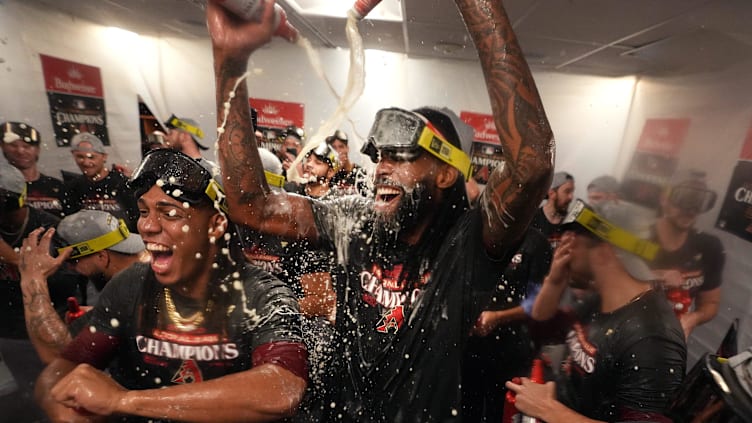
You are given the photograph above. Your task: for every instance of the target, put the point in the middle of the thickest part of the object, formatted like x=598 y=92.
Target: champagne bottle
x=511 y=414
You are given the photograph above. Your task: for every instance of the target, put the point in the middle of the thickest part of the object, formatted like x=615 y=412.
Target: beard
x=413 y=203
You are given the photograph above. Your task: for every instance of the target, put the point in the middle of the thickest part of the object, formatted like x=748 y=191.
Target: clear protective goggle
x=585 y=217
x=100 y=243
x=175 y=122
x=157 y=137
x=179 y=174
x=398 y=129
x=17 y=199
x=687 y=197
x=327 y=154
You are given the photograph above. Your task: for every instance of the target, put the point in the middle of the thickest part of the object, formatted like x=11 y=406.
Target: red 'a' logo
x=392 y=319
x=188 y=373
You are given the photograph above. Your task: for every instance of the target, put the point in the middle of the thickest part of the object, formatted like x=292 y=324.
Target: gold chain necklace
x=183 y=323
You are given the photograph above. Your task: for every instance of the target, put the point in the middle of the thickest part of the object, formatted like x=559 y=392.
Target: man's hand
x=534 y=399
x=36 y=261
x=89 y=390
x=235 y=37
x=559 y=272
x=485 y=324
x=670 y=278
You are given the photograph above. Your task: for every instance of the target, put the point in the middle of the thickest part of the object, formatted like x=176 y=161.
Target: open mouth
x=387 y=195
x=161 y=257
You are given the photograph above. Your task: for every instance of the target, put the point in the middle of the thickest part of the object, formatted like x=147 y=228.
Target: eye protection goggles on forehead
x=12 y=201
x=17 y=130
x=100 y=243
x=583 y=217
x=174 y=122
x=326 y=154
x=397 y=129
x=691 y=198
x=177 y=175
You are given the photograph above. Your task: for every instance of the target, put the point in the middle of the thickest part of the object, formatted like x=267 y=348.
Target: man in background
x=690 y=263
x=549 y=216
x=603 y=188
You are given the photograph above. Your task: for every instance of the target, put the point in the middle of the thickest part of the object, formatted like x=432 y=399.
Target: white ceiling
x=602 y=37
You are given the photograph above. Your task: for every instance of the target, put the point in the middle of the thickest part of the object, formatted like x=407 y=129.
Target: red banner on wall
x=486 y=150
x=76 y=99
x=736 y=211
x=278 y=114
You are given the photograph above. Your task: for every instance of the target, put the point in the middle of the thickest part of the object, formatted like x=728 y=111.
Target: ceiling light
x=387 y=10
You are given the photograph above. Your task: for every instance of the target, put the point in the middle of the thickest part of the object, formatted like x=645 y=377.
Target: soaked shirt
x=403 y=339
x=624 y=365
x=109 y=194
x=151 y=352
x=45 y=194
x=699 y=261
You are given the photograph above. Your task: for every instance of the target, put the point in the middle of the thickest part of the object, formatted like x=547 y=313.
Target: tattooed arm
x=515 y=188
x=47 y=331
x=249 y=198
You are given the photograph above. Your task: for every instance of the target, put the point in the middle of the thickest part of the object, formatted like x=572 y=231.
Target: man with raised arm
x=414 y=257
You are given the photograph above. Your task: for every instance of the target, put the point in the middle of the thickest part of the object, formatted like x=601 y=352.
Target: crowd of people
x=189 y=290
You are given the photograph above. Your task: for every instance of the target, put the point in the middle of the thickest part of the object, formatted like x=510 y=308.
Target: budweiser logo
x=269 y=109
x=74 y=73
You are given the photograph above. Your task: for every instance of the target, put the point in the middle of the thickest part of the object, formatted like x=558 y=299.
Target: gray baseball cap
x=98 y=230
x=11 y=179
x=96 y=144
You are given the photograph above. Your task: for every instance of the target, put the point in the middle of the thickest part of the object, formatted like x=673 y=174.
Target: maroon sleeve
x=292 y=356
x=92 y=347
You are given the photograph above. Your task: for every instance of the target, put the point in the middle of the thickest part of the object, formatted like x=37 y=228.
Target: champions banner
x=76 y=98
x=736 y=211
x=273 y=117
x=485 y=154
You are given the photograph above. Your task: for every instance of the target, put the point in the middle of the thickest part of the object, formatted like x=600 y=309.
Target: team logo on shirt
x=388 y=289
x=693 y=279
x=392 y=319
x=189 y=372
x=581 y=351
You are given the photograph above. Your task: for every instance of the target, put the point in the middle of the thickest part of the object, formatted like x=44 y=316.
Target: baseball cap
x=13 y=131
x=559 y=179
x=272 y=169
x=96 y=144
x=12 y=187
x=618 y=225
x=89 y=231
x=450 y=125
x=605 y=183
x=190 y=126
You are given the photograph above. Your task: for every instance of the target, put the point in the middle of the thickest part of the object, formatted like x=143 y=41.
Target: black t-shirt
x=62 y=284
x=403 y=339
x=250 y=308
x=46 y=194
x=622 y=364
x=700 y=261
x=551 y=231
x=109 y=194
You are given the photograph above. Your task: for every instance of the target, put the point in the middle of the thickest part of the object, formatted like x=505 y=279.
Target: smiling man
x=193 y=314
x=413 y=257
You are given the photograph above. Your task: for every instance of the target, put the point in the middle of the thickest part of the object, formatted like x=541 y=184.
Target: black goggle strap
x=100 y=243
x=174 y=122
x=614 y=235
x=275 y=179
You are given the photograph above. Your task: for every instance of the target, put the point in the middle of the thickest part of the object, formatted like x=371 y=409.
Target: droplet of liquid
x=114 y=322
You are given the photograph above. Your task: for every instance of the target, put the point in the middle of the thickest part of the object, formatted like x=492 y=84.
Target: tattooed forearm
x=47 y=331
x=515 y=189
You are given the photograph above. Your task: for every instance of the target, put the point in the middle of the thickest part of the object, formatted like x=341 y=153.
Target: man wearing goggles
x=192 y=335
x=413 y=258
x=690 y=263
x=17 y=221
x=626 y=349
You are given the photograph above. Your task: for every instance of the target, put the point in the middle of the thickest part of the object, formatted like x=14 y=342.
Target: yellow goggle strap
x=217 y=194
x=103 y=242
x=185 y=126
x=617 y=236
x=22 y=197
x=445 y=151
x=274 y=179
